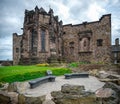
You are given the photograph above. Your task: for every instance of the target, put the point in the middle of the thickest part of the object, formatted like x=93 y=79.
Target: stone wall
x=16 y=48
x=45 y=37
x=41 y=37
x=73 y=94
x=15 y=93
x=92 y=40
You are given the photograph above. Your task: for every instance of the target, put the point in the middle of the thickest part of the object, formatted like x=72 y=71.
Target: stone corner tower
x=40 y=39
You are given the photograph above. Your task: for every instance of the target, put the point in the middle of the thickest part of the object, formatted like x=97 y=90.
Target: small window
x=71 y=44
x=99 y=42
x=17 y=50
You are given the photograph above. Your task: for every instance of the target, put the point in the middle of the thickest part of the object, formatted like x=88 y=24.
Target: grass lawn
x=23 y=73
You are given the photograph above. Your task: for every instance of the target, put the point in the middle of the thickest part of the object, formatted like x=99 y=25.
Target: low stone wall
x=69 y=94
x=75 y=94
x=14 y=93
x=23 y=99
x=8 y=97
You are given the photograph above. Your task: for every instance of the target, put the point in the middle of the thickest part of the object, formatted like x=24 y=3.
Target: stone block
x=72 y=89
x=8 y=97
x=73 y=94
x=24 y=99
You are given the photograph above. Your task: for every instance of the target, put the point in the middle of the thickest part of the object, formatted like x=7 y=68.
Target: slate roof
x=115 y=48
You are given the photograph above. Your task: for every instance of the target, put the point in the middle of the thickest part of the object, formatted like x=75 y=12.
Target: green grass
x=23 y=73
x=76 y=64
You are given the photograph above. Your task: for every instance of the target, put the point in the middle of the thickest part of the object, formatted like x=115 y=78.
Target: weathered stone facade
x=45 y=38
x=88 y=41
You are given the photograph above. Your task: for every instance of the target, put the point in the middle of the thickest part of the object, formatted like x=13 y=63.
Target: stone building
x=116 y=52
x=45 y=38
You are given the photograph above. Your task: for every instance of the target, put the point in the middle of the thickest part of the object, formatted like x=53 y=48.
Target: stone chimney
x=117 y=41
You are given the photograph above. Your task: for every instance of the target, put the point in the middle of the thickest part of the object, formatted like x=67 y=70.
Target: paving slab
x=91 y=83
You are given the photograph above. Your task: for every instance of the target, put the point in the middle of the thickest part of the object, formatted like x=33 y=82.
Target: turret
x=42 y=11
x=36 y=9
x=51 y=12
x=61 y=23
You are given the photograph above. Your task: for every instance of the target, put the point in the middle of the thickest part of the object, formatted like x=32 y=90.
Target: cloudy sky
x=70 y=11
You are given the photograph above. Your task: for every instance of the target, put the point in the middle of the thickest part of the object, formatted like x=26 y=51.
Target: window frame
x=99 y=42
x=43 y=32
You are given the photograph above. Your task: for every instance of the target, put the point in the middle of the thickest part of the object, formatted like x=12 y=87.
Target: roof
x=42 y=10
x=115 y=48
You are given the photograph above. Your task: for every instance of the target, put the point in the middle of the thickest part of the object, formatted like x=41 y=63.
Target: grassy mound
x=23 y=73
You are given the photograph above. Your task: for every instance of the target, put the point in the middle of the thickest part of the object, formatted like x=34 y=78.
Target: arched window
x=42 y=40
x=34 y=40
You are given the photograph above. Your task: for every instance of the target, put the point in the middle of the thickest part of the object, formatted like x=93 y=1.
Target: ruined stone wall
x=16 y=48
x=92 y=41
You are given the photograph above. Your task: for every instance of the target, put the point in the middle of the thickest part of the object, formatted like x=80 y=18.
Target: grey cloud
x=65 y=2
x=5 y=46
x=10 y=17
x=78 y=10
x=118 y=30
x=7 y=31
x=6 y=57
x=6 y=52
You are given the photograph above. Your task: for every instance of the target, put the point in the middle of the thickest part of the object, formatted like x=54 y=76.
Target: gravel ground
x=91 y=83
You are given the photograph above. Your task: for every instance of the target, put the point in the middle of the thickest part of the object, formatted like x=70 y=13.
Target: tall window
x=43 y=40
x=34 y=39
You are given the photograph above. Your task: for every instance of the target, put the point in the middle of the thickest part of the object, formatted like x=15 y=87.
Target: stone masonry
x=45 y=38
